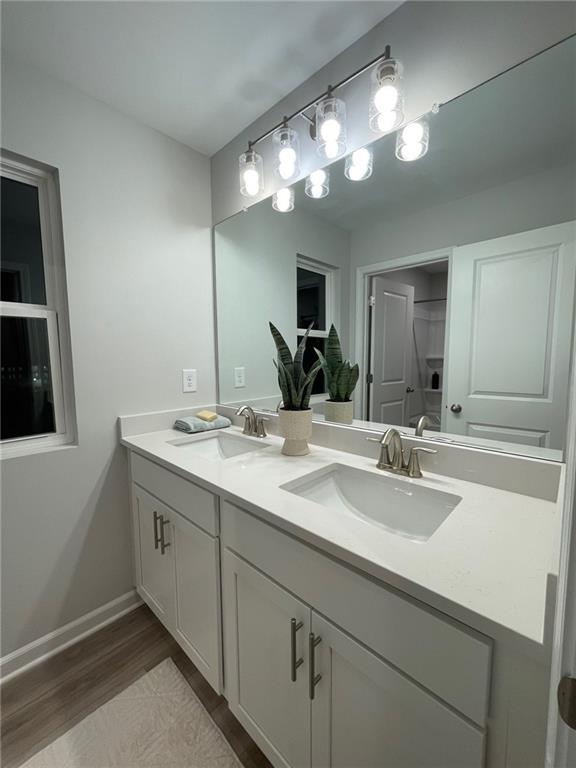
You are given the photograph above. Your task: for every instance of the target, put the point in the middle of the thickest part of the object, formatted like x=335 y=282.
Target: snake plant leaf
x=354 y=375
x=333 y=349
x=284 y=353
x=290 y=394
x=308 y=384
x=299 y=358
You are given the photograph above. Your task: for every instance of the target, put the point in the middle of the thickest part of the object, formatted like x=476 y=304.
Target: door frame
x=360 y=329
x=564 y=628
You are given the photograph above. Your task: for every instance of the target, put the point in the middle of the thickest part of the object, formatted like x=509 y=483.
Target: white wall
x=447 y=48
x=256 y=283
x=528 y=203
x=136 y=218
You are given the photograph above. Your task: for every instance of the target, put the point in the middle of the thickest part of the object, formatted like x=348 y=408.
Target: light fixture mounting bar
x=300 y=112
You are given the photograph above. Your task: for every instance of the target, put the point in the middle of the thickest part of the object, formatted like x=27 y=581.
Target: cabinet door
x=367 y=715
x=274 y=708
x=197 y=620
x=154 y=555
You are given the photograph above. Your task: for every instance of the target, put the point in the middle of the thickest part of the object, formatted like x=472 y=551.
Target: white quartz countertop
x=491 y=563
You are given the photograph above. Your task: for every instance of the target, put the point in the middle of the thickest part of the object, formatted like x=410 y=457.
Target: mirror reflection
x=450 y=279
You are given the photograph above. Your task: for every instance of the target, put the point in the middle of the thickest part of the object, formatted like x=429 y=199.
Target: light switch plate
x=189 y=380
x=239 y=377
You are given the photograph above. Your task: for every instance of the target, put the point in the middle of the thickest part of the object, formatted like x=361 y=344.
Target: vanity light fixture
x=412 y=140
x=318 y=183
x=386 y=110
x=251 y=169
x=331 y=127
x=359 y=164
x=283 y=200
x=286 y=152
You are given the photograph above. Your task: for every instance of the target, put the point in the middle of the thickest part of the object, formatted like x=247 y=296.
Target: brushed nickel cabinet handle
x=295 y=662
x=156 y=535
x=314 y=679
x=163 y=543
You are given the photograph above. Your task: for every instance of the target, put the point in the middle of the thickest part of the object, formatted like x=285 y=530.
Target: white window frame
x=55 y=311
x=330 y=273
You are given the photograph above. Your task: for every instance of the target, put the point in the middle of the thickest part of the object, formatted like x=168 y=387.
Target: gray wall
x=136 y=218
x=256 y=282
x=528 y=203
x=446 y=47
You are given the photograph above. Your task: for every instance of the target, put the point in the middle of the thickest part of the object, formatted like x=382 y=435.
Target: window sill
x=13 y=449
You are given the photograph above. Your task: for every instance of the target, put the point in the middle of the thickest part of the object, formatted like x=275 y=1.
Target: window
x=315 y=304
x=36 y=407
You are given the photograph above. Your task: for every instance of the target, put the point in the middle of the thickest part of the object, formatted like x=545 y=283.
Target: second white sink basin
x=401 y=507
x=217 y=446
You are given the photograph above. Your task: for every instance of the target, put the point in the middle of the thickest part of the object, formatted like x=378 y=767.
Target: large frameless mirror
x=450 y=279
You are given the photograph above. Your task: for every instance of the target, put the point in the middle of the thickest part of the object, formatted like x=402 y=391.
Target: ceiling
x=521 y=123
x=200 y=72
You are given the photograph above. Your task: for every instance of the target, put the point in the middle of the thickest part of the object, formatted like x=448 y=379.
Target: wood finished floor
x=45 y=702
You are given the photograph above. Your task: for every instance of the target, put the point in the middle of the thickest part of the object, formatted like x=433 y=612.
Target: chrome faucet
x=423 y=422
x=393 y=460
x=253 y=425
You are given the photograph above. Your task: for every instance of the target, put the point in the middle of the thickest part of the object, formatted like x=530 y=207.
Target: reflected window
x=315 y=304
x=311 y=299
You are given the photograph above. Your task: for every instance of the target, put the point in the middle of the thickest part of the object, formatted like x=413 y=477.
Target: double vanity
x=352 y=616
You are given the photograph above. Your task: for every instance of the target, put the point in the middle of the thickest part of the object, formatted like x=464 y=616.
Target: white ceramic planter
x=341 y=413
x=296 y=429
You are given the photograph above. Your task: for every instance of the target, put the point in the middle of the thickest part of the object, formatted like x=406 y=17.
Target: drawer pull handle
x=294 y=661
x=163 y=543
x=314 y=679
x=156 y=534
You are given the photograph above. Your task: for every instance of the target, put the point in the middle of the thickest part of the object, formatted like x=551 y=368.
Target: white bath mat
x=157 y=722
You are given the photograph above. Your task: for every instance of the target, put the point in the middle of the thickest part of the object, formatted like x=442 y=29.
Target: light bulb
x=361 y=157
x=317 y=178
x=386 y=98
x=357 y=172
x=412 y=151
x=413 y=133
x=283 y=200
x=287 y=156
x=286 y=170
x=251 y=181
x=386 y=121
x=331 y=149
x=330 y=130
x=316 y=190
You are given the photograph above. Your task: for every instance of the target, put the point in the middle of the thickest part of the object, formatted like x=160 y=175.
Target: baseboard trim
x=41 y=649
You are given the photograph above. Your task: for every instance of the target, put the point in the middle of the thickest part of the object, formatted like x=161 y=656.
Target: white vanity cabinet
x=177 y=561
x=383 y=682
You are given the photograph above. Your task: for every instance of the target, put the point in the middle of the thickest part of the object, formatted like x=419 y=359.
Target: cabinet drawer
x=193 y=502
x=444 y=656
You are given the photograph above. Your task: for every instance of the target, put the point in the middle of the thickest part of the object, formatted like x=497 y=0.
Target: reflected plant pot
x=296 y=429
x=340 y=413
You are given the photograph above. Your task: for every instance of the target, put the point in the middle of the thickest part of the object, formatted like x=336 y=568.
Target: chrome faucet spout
x=253 y=426
x=393 y=460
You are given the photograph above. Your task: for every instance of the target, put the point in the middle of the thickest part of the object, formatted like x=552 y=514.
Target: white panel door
x=154 y=554
x=197 y=616
x=272 y=706
x=391 y=347
x=510 y=325
x=365 y=714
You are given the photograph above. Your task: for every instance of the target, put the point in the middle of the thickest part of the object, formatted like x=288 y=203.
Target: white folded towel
x=193 y=424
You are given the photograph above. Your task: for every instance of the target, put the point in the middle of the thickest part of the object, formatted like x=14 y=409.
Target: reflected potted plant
x=341 y=380
x=296 y=387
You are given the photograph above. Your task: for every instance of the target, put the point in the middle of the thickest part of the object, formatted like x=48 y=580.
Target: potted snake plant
x=296 y=386
x=341 y=380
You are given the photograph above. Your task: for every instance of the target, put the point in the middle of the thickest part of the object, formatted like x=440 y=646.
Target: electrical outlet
x=189 y=380
x=239 y=377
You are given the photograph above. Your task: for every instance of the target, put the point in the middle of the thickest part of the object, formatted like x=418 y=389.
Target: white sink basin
x=217 y=446
x=401 y=507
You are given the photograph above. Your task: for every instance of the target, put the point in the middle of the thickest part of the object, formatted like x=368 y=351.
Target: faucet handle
x=413 y=465
x=260 y=428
